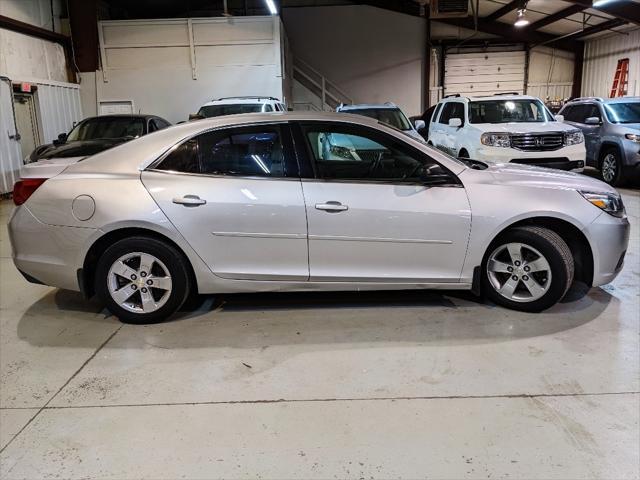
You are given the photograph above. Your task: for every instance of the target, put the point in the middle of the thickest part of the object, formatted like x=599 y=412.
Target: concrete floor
x=357 y=385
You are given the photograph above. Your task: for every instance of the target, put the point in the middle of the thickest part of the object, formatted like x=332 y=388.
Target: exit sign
x=25 y=87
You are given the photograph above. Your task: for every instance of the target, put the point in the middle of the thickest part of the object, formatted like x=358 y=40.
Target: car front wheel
x=611 y=167
x=528 y=269
x=142 y=280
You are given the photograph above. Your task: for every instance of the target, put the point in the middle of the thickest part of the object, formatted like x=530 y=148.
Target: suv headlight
x=495 y=139
x=573 y=138
x=634 y=137
x=342 y=152
x=609 y=202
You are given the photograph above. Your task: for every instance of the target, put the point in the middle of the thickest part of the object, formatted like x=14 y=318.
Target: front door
x=236 y=197
x=371 y=217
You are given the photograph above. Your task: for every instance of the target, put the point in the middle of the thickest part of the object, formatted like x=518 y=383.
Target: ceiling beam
x=502 y=11
x=554 y=17
x=511 y=33
x=33 y=31
x=624 y=9
x=601 y=27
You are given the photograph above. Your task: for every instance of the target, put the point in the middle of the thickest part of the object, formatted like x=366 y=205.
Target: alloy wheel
x=139 y=282
x=519 y=272
x=609 y=167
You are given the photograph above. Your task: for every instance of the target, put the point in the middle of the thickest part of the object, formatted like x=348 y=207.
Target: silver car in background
x=611 y=130
x=261 y=202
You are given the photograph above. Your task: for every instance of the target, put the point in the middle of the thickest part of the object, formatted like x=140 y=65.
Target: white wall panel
x=601 y=59
x=373 y=55
x=171 y=67
x=550 y=73
x=25 y=56
x=59 y=109
x=34 y=12
x=10 y=152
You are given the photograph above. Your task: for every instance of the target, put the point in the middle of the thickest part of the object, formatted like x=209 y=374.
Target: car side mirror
x=435 y=175
x=593 y=121
x=195 y=116
x=559 y=118
x=455 y=122
x=420 y=125
x=61 y=139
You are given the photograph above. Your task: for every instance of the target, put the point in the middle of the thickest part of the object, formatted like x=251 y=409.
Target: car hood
x=634 y=127
x=531 y=176
x=76 y=149
x=523 y=127
x=47 y=168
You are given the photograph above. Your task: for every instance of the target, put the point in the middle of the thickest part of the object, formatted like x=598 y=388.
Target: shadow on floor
x=263 y=320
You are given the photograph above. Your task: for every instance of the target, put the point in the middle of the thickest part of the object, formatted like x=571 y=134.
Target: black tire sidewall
x=559 y=275
x=168 y=255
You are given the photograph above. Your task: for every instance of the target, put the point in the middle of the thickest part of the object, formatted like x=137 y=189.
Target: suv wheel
x=142 y=280
x=611 y=167
x=528 y=269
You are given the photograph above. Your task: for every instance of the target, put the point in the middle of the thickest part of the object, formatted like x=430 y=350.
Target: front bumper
x=47 y=254
x=565 y=158
x=609 y=238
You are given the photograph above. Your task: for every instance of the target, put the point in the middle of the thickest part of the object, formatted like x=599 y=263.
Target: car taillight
x=23 y=189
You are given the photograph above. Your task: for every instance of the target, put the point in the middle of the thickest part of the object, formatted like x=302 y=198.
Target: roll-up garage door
x=478 y=74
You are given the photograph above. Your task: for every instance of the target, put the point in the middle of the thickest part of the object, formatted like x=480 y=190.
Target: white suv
x=506 y=128
x=235 y=105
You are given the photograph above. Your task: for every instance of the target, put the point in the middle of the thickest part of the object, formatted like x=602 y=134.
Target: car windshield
x=107 y=127
x=233 y=109
x=508 y=111
x=623 y=112
x=389 y=116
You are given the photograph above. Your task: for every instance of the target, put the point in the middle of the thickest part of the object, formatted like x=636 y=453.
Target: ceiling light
x=600 y=3
x=272 y=7
x=521 y=21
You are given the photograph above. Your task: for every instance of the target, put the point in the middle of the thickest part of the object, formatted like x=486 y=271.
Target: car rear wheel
x=611 y=167
x=528 y=269
x=142 y=280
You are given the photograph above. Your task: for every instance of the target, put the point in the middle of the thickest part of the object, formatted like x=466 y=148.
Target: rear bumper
x=46 y=254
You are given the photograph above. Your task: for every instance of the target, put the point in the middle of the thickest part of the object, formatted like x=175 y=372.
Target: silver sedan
x=309 y=201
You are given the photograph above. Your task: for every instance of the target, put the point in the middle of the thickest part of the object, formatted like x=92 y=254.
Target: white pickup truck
x=506 y=128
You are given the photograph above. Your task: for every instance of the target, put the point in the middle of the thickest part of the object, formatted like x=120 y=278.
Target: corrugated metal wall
x=550 y=73
x=10 y=153
x=59 y=109
x=601 y=59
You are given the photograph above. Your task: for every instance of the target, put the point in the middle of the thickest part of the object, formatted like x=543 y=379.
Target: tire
x=611 y=167
x=546 y=284
x=120 y=271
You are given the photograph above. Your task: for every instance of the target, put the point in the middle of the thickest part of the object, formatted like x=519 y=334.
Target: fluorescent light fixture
x=600 y=3
x=272 y=7
x=521 y=21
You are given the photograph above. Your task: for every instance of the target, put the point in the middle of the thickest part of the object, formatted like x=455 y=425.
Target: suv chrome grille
x=538 y=142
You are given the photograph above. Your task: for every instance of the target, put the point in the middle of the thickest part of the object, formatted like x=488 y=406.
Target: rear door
x=236 y=197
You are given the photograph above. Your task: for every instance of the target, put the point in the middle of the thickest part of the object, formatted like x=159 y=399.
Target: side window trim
x=308 y=168
x=292 y=170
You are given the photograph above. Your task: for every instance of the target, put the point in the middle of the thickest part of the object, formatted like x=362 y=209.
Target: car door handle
x=331 y=207
x=189 y=201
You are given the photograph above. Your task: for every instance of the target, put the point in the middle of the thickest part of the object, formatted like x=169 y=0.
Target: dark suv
x=611 y=130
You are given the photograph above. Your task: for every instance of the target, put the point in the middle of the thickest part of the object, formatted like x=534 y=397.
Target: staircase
x=325 y=95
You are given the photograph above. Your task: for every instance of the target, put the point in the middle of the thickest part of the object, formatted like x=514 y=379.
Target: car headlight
x=573 y=138
x=634 y=137
x=609 y=202
x=342 y=152
x=495 y=139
